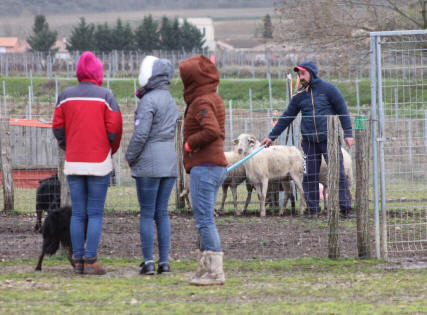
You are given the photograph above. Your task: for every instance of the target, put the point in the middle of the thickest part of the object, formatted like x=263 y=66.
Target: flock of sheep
x=269 y=171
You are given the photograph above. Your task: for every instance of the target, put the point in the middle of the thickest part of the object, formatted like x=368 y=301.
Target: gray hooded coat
x=151 y=151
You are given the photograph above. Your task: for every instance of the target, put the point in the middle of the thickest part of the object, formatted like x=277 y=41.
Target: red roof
x=29 y=123
x=8 y=41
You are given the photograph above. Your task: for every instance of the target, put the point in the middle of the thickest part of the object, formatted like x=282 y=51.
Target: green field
x=236 y=90
x=301 y=286
x=229 y=89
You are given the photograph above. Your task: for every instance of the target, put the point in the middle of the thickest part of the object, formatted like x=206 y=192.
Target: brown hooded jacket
x=205 y=113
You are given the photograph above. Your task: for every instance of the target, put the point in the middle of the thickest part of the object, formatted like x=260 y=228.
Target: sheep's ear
x=252 y=140
x=236 y=141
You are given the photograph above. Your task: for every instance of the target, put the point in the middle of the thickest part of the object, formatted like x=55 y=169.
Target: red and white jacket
x=88 y=125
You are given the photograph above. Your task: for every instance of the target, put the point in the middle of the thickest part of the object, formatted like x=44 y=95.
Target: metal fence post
x=410 y=140
x=4 y=99
x=6 y=66
x=230 y=110
x=373 y=77
x=252 y=68
x=251 y=114
x=30 y=100
x=381 y=139
x=56 y=89
x=134 y=97
x=425 y=131
x=270 y=94
x=396 y=108
x=357 y=97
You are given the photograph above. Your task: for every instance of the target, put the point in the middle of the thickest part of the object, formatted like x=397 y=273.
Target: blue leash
x=232 y=167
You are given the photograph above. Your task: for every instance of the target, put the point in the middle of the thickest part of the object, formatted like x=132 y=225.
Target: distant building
x=241 y=44
x=62 y=52
x=255 y=49
x=206 y=27
x=12 y=45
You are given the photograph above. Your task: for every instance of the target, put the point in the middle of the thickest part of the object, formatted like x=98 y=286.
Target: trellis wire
x=120 y=63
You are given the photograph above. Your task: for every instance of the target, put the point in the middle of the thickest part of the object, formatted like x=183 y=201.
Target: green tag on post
x=360 y=123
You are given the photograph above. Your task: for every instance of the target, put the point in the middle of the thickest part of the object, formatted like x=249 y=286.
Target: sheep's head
x=245 y=143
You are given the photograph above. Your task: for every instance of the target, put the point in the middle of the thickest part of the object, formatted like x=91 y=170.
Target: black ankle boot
x=78 y=265
x=147 y=268
x=163 y=268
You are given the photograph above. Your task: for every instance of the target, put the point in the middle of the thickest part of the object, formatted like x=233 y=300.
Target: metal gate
x=399 y=142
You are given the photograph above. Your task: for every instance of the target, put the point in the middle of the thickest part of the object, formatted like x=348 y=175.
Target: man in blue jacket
x=316 y=99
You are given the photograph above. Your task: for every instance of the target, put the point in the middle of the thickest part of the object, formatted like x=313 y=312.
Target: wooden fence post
x=65 y=191
x=362 y=146
x=6 y=164
x=179 y=185
x=333 y=189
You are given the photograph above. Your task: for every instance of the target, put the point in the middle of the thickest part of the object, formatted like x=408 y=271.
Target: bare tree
x=342 y=27
x=412 y=13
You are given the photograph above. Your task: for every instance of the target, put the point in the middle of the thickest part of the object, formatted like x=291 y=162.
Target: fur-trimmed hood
x=154 y=73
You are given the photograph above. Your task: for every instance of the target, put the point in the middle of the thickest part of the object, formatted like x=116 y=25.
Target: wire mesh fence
x=403 y=198
x=400 y=69
x=34 y=155
x=234 y=64
x=247 y=236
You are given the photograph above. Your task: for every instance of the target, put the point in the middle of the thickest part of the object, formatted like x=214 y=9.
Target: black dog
x=56 y=232
x=48 y=197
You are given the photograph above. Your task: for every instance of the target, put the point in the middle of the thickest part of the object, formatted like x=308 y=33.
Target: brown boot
x=92 y=267
x=212 y=273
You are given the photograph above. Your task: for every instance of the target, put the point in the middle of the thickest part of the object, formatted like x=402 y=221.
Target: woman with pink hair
x=88 y=125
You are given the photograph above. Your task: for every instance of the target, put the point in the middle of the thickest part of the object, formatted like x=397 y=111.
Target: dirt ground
x=247 y=237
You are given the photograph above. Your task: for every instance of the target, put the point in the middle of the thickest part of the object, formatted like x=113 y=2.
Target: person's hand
x=349 y=142
x=266 y=142
x=187 y=147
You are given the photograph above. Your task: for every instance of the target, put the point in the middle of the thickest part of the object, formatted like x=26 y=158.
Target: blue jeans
x=88 y=195
x=312 y=159
x=153 y=196
x=204 y=184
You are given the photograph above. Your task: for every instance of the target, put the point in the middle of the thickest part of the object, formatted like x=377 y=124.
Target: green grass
x=236 y=90
x=229 y=89
x=301 y=286
x=124 y=199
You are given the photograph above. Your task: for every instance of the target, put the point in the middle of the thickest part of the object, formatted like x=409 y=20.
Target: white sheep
x=274 y=187
x=238 y=175
x=275 y=162
x=323 y=178
x=235 y=178
x=323 y=174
